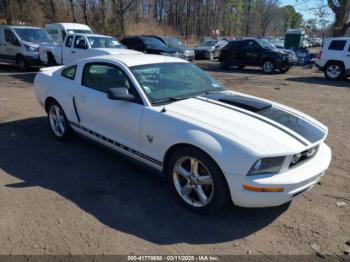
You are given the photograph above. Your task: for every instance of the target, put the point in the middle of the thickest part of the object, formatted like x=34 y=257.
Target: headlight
x=31 y=48
x=267 y=165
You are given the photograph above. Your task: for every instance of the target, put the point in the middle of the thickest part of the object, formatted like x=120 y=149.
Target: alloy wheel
x=268 y=67
x=333 y=71
x=57 y=120
x=193 y=181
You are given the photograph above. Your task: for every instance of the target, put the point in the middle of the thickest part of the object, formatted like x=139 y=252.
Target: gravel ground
x=79 y=198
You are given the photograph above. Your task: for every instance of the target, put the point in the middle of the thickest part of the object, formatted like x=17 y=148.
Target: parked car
x=59 y=31
x=79 y=46
x=148 y=44
x=334 y=59
x=213 y=145
x=176 y=44
x=255 y=52
x=206 y=50
x=19 y=45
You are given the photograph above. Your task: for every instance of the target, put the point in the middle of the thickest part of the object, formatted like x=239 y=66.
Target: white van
x=20 y=45
x=59 y=31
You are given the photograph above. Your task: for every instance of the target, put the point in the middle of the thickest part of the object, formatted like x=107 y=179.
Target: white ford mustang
x=213 y=145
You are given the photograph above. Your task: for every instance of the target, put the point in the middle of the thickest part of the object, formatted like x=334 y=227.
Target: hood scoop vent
x=247 y=103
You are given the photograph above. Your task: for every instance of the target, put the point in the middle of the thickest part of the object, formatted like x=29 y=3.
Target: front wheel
x=21 y=64
x=197 y=181
x=284 y=70
x=58 y=122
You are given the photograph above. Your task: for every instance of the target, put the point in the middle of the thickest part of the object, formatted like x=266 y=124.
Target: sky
x=308 y=7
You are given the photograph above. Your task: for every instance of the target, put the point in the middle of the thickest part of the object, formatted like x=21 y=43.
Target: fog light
x=263 y=189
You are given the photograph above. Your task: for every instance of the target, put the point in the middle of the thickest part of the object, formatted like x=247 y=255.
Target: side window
x=69 y=72
x=251 y=45
x=11 y=38
x=337 y=45
x=69 y=41
x=102 y=76
x=80 y=42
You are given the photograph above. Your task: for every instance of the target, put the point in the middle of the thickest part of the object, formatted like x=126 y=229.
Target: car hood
x=181 y=49
x=160 y=49
x=207 y=48
x=261 y=125
x=116 y=51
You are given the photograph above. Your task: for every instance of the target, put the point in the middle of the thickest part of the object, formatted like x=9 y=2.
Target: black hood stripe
x=302 y=141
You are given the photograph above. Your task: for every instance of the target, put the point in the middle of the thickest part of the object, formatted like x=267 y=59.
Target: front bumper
x=202 y=54
x=295 y=182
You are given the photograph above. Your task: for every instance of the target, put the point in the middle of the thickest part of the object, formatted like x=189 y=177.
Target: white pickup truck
x=79 y=46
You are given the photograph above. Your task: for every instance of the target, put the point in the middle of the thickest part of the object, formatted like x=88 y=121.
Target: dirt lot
x=79 y=198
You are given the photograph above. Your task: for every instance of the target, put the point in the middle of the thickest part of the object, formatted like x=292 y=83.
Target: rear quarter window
x=69 y=72
x=337 y=45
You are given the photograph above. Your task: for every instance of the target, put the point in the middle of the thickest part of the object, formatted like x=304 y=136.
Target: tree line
x=189 y=18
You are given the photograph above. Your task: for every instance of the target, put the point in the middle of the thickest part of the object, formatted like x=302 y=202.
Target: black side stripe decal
x=263 y=120
x=75 y=109
x=117 y=144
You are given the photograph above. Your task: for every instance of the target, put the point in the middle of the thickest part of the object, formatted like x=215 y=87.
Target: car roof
x=71 y=26
x=21 y=27
x=140 y=59
x=91 y=35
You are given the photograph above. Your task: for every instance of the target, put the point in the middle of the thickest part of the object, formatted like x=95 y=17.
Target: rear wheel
x=197 y=181
x=21 y=64
x=269 y=66
x=58 y=122
x=224 y=63
x=334 y=71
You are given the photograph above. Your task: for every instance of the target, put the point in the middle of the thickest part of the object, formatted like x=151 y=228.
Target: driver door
x=117 y=120
x=252 y=52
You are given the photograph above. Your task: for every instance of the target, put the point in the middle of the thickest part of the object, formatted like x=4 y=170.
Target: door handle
x=73 y=52
x=82 y=98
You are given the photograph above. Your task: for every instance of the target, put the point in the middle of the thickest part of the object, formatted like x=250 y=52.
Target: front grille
x=303 y=156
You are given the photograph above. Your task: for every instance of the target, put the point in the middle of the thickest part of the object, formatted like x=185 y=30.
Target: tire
x=334 y=71
x=284 y=70
x=241 y=67
x=201 y=191
x=21 y=64
x=224 y=63
x=58 y=122
x=268 y=66
x=51 y=60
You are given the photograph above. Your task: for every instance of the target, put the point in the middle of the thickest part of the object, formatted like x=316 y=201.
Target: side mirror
x=120 y=93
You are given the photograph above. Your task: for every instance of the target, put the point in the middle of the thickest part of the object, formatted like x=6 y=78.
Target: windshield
x=33 y=34
x=103 y=42
x=173 y=42
x=153 y=42
x=209 y=43
x=166 y=81
x=79 y=31
x=265 y=44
